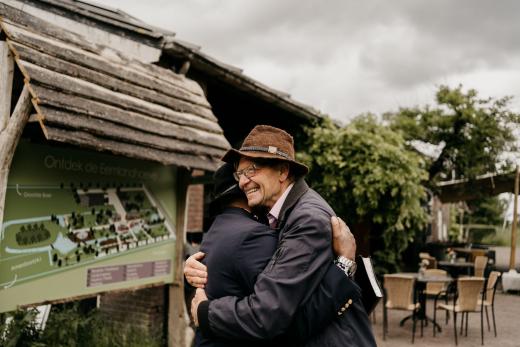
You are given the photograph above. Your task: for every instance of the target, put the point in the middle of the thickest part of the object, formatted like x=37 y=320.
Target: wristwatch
x=346 y=265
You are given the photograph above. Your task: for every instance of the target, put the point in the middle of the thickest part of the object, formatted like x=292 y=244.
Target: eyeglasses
x=248 y=172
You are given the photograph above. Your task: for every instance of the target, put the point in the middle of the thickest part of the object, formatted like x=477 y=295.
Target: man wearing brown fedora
x=269 y=175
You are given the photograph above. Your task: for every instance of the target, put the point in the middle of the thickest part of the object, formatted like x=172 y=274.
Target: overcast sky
x=347 y=57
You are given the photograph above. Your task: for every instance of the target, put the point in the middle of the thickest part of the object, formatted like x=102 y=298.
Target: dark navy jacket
x=295 y=280
x=237 y=249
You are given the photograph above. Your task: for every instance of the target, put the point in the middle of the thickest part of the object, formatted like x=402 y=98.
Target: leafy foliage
x=475 y=131
x=68 y=326
x=487 y=210
x=365 y=171
x=18 y=329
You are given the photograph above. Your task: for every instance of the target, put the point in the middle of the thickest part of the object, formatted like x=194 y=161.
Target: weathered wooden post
x=177 y=314
x=14 y=124
x=6 y=83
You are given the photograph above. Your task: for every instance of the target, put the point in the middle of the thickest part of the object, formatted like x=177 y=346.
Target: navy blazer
x=295 y=274
x=237 y=249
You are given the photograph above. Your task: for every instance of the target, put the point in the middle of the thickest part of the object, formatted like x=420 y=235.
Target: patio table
x=420 y=286
x=457 y=268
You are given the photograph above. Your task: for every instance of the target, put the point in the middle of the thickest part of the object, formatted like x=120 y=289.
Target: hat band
x=270 y=149
x=226 y=191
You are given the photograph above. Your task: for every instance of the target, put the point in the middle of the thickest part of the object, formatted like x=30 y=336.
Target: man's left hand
x=343 y=241
x=200 y=296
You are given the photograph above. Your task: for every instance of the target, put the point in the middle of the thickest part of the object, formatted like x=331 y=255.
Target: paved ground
x=507 y=309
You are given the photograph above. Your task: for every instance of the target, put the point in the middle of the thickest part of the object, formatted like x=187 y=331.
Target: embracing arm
x=289 y=279
x=332 y=299
x=334 y=295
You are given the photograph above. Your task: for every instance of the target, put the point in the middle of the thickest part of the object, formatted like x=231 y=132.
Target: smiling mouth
x=251 y=191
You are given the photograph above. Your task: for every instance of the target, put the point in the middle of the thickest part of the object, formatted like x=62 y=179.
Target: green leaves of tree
x=365 y=171
x=475 y=131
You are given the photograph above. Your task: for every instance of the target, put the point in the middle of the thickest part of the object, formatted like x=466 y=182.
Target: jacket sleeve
x=335 y=292
x=292 y=274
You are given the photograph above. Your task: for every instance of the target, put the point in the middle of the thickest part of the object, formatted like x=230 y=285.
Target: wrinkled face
x=265 y=187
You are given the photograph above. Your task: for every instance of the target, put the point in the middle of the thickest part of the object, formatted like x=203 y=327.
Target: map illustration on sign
x=78 y=222
x=88 y=223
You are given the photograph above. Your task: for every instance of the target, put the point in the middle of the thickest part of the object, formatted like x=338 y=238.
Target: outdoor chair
x=399 y=295
x=434 y=288
x=424 y=255
x=477 y=253
x=468 y=297
x=480 y=266
x=432 y=261
x=489 y=297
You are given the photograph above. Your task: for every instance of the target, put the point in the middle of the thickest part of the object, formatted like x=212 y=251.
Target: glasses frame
x=249 y=172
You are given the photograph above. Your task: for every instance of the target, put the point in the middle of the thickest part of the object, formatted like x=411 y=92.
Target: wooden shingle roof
x=93 y=96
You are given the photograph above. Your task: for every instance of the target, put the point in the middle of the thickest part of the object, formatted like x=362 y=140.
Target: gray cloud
x=348 y=57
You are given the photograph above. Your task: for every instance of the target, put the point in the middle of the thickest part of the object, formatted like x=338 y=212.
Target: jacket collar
x=300 y=187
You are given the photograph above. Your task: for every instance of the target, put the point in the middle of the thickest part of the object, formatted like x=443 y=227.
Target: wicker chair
x=424 y=255
x=434 y=288
x=489 y=297
x=480 y=266
x=432 y=261
x=465 y=300
x=399 y=295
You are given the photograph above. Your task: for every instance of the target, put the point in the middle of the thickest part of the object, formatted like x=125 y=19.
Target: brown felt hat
x=267 y=142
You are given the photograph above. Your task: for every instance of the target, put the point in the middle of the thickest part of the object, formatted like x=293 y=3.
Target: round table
x=457 y=268
x=420 y=286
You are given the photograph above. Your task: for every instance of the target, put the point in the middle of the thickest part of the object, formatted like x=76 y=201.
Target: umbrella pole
x=515 y=223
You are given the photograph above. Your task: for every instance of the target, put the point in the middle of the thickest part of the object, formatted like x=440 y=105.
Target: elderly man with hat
x=271 y=178
x=238 y=247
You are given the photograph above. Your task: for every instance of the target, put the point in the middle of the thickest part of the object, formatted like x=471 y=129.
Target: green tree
x=20 y=329
x=488 y=211
x=369 y=176
x=474 y=131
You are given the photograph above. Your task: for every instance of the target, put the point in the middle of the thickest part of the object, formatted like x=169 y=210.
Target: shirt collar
x=277 y=207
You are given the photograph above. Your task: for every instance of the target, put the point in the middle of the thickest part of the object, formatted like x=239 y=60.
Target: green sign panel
x=79 y=222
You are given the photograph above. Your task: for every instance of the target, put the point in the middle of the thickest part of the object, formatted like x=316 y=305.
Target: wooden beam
x=147 y=88
x=87 y=140
x=76 y=86
x=177 y=317
x=76 y=104
x=137 y=73
x=125 y=134
x=8 y=142
x=184 y=68
x=23 y=18
x=6 y=83
x=467 y=190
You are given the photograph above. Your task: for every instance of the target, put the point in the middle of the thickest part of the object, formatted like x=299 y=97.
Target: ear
x=284 y=172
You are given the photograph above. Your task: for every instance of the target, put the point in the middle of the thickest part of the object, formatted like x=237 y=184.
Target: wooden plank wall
x=92 y=96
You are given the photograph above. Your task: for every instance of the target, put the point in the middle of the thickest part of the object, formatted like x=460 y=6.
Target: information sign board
x=79 y=222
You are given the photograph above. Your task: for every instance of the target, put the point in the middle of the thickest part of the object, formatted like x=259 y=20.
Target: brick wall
x=195 y=205
x=144 y=308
